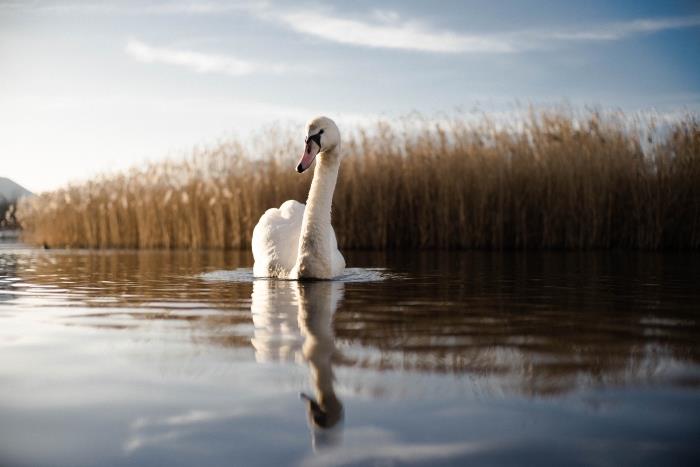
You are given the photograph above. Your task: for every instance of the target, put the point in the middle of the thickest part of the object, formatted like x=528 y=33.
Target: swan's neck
x=314 y=241
x=318 y=205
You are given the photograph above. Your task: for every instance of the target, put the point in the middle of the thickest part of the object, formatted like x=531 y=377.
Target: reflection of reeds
x=554 y=182
x=536 y=324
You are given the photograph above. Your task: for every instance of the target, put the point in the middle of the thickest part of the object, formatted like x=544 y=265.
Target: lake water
x=430 y=358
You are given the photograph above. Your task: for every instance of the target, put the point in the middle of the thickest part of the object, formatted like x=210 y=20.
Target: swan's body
x=297 y=241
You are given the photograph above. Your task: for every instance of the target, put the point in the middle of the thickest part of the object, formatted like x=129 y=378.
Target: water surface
x=432 y=358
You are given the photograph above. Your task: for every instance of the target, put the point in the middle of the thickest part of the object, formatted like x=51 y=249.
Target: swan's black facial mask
x=312 y=147
x=315 y=138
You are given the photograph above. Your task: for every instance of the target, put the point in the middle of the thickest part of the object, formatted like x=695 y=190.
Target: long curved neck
x=317 y=215
x=318 y=204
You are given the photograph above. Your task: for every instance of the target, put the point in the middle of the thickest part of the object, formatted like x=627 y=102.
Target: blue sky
x=89 y=87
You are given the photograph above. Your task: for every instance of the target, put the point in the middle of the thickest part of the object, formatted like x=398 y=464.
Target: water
x=177 y=358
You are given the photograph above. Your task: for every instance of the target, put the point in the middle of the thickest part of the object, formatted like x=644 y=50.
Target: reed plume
x=549 y=181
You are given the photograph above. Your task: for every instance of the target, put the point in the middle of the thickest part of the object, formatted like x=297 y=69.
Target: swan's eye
x=315 y=138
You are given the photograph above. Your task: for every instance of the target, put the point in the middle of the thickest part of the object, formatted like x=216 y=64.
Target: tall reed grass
x=551 y=180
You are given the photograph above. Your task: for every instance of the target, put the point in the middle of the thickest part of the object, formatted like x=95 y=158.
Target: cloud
x=388 y=31
x=379 y=28
x=622 y=30
x=197 y=61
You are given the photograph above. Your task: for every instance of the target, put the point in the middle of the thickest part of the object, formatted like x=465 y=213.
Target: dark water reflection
x=154 y=358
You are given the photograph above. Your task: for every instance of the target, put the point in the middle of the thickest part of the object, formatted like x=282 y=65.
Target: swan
x=296 y=241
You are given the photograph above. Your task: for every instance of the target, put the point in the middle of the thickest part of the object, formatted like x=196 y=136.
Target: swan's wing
x=276 y=240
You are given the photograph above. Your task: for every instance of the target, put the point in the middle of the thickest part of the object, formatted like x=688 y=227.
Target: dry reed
x=551 y=181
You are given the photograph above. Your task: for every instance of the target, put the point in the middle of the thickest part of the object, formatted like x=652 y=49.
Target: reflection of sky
x=150 y=378
x=89 y=86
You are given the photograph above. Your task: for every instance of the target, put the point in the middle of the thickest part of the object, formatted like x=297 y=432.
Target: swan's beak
x=310 y=151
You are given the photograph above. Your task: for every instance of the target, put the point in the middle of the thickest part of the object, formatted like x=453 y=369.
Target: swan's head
x=322 y=135
x=323 y=416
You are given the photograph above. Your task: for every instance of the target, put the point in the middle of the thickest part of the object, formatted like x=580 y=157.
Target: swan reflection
x=294 y=321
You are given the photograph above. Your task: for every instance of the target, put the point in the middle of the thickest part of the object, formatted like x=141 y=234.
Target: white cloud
x=386 y=29
x=621 y=30
x=197 y=61
x=392 y=33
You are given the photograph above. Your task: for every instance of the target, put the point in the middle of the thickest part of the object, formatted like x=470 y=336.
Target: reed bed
x=551 y=180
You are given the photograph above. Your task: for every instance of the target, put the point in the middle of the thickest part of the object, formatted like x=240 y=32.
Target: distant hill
x=11 y=191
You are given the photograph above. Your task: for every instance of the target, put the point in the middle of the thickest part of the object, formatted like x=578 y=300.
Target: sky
x=95 y=87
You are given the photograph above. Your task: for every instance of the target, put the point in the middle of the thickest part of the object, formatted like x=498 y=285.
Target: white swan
x=297 y=241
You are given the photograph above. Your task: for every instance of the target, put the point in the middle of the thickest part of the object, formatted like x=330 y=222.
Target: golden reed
x=550 y=181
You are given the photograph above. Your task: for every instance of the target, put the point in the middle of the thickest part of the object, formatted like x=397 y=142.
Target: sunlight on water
x=157 y=358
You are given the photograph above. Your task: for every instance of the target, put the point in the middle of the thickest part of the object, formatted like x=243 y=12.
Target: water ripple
x=352 y=275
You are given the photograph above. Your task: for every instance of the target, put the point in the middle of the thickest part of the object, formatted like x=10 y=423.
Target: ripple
x=234 y=275
x=366 y=275
x=352 y=275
